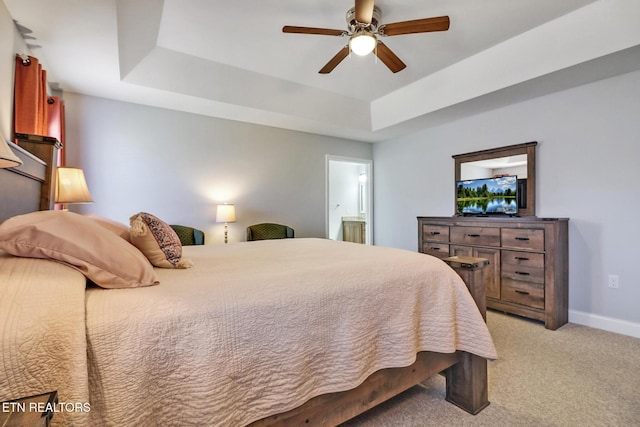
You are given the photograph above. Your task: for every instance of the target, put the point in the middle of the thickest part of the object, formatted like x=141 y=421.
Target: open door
x=349 y=199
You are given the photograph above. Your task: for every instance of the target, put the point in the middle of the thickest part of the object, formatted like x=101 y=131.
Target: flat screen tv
x=488 y=196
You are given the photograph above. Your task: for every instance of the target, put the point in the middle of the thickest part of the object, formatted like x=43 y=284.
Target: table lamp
x=71 y=187
x=226 y=213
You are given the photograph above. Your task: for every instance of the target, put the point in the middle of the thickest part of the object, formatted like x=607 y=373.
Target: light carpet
x=574 y=376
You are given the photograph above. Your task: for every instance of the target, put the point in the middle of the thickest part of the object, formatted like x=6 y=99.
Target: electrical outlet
x=614 y=281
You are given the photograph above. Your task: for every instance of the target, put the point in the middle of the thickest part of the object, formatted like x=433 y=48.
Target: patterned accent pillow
x=157 y=241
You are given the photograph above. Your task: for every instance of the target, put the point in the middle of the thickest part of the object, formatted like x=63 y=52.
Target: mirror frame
x=528 y=148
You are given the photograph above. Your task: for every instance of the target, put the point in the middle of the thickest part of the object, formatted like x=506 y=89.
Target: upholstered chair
x=188 y=235
x=268 y=230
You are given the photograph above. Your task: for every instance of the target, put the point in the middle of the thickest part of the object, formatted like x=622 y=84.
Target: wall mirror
x=519 y=160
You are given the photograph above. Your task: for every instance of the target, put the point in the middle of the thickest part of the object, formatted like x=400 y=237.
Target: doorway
x=348 y=195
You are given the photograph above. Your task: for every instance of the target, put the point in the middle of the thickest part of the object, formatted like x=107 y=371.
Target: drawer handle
x=522 y=273
x=521 y=258
x=435 y=248
x=521 y=292
x=473 y=235
x=435 y=233
x=522 y=238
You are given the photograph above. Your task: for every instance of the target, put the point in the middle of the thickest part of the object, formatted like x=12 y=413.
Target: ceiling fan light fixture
x=363 y=29
x=362 y=42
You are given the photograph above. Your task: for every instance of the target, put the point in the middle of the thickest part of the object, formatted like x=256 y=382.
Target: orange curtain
x=30 y=97
x=55 y=128
x=34 y=112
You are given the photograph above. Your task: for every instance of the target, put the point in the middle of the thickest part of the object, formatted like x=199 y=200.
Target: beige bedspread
x=42 y=334
x=258 y=328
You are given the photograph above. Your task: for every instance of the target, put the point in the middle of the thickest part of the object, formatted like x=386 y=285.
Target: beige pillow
x=119 y=228
x=157 y=241
x=102 y=256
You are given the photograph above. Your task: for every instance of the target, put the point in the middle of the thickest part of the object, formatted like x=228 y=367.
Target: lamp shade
x=226 y=213
x=71 y=187
x=7 y=158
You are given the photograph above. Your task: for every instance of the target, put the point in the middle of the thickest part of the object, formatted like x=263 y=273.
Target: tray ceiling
x=231 y=59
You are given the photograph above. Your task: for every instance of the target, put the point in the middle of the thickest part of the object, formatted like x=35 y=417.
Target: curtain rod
x=25 y=59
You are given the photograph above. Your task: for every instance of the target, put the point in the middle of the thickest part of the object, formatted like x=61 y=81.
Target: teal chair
x=267 y=231
x=188 y=235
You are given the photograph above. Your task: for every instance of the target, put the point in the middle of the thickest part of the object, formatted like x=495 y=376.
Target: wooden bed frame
x=466 y=377
x=466 y=374
x=21 y=186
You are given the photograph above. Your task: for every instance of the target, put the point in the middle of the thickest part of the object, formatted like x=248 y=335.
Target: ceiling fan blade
x=439 y=23
x=364 y=11
x=389 y=58
x=310 y=30
x=333 y=63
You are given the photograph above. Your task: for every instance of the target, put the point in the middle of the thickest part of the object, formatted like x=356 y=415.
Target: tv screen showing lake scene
x=488 y=196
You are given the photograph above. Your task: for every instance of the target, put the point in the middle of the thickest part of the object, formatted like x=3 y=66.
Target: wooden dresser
x=528 y=272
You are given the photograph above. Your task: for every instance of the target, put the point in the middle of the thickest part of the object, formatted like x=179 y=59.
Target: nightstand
x=32 y=411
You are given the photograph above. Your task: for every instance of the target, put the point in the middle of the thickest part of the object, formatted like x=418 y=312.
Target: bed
x=286 y=332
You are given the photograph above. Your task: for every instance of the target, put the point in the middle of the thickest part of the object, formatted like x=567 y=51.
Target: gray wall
x=178 y=166
x=588 y=169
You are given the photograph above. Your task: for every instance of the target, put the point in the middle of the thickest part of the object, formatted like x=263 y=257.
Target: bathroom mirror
x=519 y=160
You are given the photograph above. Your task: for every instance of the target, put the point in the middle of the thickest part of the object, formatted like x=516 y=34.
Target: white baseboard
x=610 y=324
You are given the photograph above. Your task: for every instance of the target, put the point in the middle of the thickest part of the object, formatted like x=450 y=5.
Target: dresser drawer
x=435 y=233
x=477 y=236
x=436 y=249
x=525 y=293
x=523 y=272
x=523 y=258
x=523 y=238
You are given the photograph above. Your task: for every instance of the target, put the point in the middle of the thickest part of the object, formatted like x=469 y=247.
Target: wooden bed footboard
x=466 y=375
x=334 y=408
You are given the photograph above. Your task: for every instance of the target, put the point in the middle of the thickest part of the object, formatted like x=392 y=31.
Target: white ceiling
x=231 y=60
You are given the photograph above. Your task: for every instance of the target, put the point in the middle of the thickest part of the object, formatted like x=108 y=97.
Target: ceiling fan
x=363 y=22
